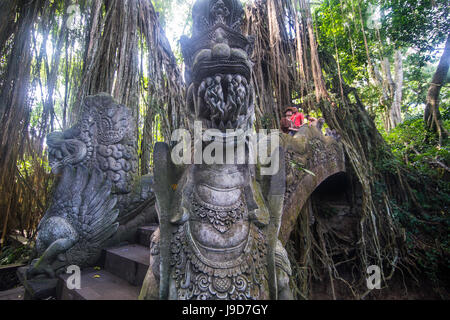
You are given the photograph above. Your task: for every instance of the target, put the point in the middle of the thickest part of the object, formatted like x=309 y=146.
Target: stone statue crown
x=216 y=24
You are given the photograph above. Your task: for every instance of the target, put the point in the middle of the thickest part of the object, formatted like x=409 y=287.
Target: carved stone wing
x=95 y=218
x=83 y=203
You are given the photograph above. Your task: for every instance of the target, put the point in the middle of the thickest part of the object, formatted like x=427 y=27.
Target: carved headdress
x=218 y=66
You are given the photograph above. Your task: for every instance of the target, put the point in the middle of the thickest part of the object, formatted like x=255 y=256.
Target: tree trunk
x=52 y=77
x=7 y=21
x=392 y=91
x=396 y=111
x=432 y=116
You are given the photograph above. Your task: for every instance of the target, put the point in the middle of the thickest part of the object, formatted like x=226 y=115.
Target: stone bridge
x=311 y=158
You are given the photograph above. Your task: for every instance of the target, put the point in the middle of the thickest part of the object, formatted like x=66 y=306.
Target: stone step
x=39 y=288
x=8 y=276
x=145 y=234
x=129 y=263
x=13 y=294
x=98 y=285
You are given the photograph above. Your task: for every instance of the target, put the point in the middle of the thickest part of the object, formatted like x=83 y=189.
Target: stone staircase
x=119 y=278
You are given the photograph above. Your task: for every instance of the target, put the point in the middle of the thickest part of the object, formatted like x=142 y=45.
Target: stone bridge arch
x=311 y=158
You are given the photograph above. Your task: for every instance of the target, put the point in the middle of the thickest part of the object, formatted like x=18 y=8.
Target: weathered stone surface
x=13 y=294
x=321 y=156
x=104 y=138
x=38 y=288
x=128 y=262
x=8 y=276
x=98 y=285
x=145 y=234
x=77 y=225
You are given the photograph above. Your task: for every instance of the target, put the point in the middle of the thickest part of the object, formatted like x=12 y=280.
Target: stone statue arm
x=279 y=265
x=167 y=189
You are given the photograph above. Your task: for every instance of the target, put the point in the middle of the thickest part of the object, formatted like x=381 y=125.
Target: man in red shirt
x=298 y=119
x=287 y=125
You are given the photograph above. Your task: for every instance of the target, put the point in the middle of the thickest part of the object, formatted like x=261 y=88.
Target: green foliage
x=419 y=69
x=176 y=20
x=407 y=143
x=418 y=28
x=266 y=121
x=426 y=216
x=422 y=24
x=12 y=255
x=339 y=29
x=163 y=8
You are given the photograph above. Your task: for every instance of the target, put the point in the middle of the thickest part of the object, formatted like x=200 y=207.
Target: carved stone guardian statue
x=99 y=200
x=219 y=222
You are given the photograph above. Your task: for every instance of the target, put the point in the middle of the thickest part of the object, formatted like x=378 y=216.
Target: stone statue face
x=218 y=67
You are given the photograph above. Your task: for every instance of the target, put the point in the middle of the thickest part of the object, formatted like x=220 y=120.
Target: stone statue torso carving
x=218 y=253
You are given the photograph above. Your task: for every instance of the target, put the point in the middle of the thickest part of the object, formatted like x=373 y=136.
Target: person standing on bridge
x=298 y=118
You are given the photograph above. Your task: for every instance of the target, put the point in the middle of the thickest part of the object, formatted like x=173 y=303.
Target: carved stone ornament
x=99 y=201
x=104 y=138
